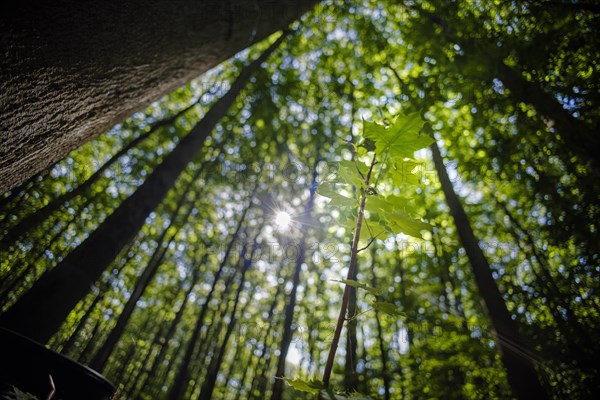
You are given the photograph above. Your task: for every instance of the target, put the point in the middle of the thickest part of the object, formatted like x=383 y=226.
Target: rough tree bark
x=32 y=220
x=520 y=369
x=40 y=312
x=72 y=69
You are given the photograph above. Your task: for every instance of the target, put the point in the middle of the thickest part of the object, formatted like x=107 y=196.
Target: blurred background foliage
x=510 y=90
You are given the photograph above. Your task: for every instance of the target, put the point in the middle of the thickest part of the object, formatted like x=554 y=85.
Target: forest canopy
x=395 y=200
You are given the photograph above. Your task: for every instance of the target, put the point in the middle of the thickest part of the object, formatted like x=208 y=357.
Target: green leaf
x=400 y=223
x=359 y=285
x=373 y=228
x=368 y=144
x=349 y=174
x=404 y=172
x=388 y=308
x=351 y=396
x=401 y=139
x=312 y=386
x=379 y=204
x=337 y=199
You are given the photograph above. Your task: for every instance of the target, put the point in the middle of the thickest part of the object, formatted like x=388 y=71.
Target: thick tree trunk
x=70 y=70
x=40 y=312
x=520 y=370
x=37 y=217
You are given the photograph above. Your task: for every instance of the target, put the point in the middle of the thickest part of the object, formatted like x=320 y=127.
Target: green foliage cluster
x=521 y=160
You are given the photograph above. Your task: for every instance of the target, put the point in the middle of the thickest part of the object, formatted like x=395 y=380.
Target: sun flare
x=283 y=220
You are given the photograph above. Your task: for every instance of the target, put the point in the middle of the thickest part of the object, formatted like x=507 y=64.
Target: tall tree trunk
x=581 y=138
x=574 y=336
x=32 y=220
x=133 y=379
x=289 y=309
x=181 y=379
x=10 y=201
x=102 y=290
x=520 y=369
x=577 y=134
x=101 y=358
x=350 y=374
x=382 y=349
x=262 y=363
x=267 y=333
x=212 y=336
x=89 y=347
x=214 y=366
x=40 y=312
x=70 y=342
x=31 y=268
x=73 y=69
x=172 y=328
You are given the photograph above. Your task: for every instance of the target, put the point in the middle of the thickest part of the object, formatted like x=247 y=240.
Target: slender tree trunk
x=520 y=369
x=30 y=269
x=172 y=328
x=261 y=365
x=350 y=374
x=577 y=134
x=122 y=369
x=99 y=361
x=581 y=138
x=89 y=347
x=68 y=345
x=14 y=199
x=382 y=350
x=39 y=313
x=32 y=220
x=181 y=379
x=251 y=367
x=73 y=69
x=134 y=378
x=289 y=309
x=267 y=333
x=65 y=346
x=214 y=328
x=240 y=353
x=70 y=342
x=214 y=366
